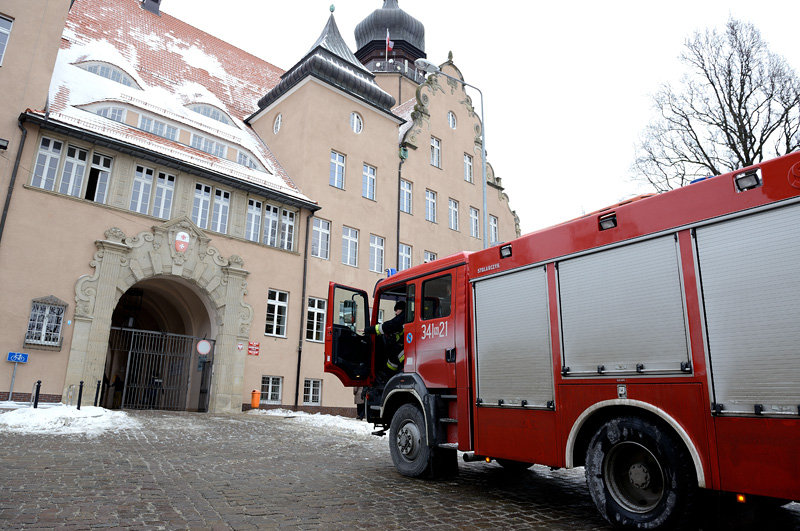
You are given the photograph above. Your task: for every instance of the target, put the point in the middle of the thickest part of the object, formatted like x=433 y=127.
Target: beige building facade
x=180 y=206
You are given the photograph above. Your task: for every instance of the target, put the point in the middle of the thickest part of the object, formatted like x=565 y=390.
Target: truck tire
x=640 y=476
x=408 y=442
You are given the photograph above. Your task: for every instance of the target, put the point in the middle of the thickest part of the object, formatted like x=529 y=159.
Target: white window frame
x=272 y=224
x=220 y=210
x=429 y=256
x=247 y=161
x=201 y=205
x=74 y=170
x=349 y=246
x=468 y=168
x=271 y=389
x=159 y=128
x=208 y=145
x=315 y=320
x=287 y=230
x=45 y=323
x=142 y=188
x=376 y=253
x=321 y=239
x=165 y=191
x=276 y=125
x=215 y=113
x=436 y=152
x=453 y=214
x=117 y=114
x=278 y=309
x=368 y=181
x=356 y=123
x=474 y=222
x=451 y=119
x=406 y=196
x=101 y=164
x=337 y=169
x=109 y=71
x=404 y=256
x=312 y=392
x=494 y=235
x=252 y=229
x=430 y=206
x=5 y=36
x=47 y=160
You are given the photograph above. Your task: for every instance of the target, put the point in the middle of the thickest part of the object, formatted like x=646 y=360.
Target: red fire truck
x=655 y=342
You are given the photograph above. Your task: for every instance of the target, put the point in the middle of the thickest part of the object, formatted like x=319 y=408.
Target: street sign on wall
x=17 y=357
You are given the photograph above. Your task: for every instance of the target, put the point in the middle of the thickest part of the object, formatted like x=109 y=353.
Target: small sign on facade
x=203 y=347
x=253 y=348
x=17 y=357
x=181 y=242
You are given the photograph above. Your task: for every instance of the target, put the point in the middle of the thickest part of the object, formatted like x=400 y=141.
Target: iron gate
x=158 y=368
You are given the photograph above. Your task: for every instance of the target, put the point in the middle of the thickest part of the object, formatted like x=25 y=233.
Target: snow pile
x=332 y=422
x=66 y=420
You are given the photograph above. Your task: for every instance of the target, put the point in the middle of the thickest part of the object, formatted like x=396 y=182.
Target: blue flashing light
x=391 y=271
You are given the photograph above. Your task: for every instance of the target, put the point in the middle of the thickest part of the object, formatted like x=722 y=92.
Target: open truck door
x=347 y=349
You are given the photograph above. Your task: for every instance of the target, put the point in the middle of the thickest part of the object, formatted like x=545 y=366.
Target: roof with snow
x=175 y=65
x=330 y=60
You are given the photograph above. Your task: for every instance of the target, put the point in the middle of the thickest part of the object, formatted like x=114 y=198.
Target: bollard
x=255 y=398
x=36 y=396
x=80 y=394
x=97 y=393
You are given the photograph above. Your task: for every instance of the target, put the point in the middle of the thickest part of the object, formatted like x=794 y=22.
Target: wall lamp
x=3 y=143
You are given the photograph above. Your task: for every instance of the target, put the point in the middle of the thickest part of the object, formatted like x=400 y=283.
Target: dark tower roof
x=330 y=60
x=407 y=33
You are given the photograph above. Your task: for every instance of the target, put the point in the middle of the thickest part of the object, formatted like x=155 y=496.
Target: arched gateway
x=172 y=258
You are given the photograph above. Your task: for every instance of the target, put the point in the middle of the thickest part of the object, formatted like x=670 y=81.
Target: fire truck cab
x=654 y=342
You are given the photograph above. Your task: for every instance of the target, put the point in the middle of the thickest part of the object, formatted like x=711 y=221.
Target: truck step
x=448 y=446
x=448 y=420
x=448 y=397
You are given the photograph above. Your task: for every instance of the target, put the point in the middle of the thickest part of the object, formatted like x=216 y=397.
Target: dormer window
x=110 y=72
x=212 y=112
x=112 y=113
x=246 y=160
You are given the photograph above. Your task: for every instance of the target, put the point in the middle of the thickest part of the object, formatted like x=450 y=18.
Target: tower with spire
x=390 y=23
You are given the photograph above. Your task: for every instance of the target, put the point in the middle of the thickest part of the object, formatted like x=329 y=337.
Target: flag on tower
x=389 y=44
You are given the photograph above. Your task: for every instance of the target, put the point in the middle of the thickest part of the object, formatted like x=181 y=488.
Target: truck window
x=436 y=297
x=387 y=299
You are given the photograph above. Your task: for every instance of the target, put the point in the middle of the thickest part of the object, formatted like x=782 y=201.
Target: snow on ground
x=346 y=425
x=63 y=420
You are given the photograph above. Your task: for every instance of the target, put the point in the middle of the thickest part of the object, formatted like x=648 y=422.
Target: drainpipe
x=302 y=314
x=13 y=178
x=403 y=156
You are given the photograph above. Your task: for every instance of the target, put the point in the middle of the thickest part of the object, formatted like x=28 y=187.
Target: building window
x=110 y=72
x=337 y=170
x=368 y=182
x=142 y=186
x=219 y=215
x=474 y=223
x=165 y=189
x=376 y=253
x=468 y=168
x=159 y=128
x=271 y=389
x=212 y=112
x=112 y=113
x=350 y=246
x=405 y=257
x=276 y=125
x=494 y=236
x=321 y=239
x=5 y=33
x=287 y=230
x=44 y=323
x=99 y=173
x=356 y=123
x=429 y=256
x=253 y=228
x=453 y=218
x=436 y=152
x=209 y=146
x=312 y=392
x=451 y=119
x=201 y=205
x=246 y=160
x=271 y=224
x=405 y=196
x=277 y=309
x=44 y=174
x=315 y=320
x=74 y=170
x=430 y=205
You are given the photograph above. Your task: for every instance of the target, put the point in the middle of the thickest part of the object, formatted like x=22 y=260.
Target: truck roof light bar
x=748 y=180
x=505 y=251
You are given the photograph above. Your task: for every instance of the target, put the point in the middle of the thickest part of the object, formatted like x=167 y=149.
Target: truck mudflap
x=408 y=388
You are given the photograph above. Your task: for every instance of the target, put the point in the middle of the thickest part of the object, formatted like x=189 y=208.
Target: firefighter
x=391 y=332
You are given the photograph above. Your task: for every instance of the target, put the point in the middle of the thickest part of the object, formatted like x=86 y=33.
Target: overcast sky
x=567 y=85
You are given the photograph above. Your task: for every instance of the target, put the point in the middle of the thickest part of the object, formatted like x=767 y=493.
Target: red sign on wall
x=253 y=347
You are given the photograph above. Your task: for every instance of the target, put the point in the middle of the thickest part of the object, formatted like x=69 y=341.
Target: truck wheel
x=640 y=476
x=408 y=442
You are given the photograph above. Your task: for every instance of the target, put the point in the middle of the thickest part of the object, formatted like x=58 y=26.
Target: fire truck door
x=435 y=333
x=347 y=348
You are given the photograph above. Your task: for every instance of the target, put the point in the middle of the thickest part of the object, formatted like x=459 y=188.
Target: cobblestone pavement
x=184 y=470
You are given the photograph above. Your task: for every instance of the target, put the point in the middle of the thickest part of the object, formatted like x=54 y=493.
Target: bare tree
x=737 y=105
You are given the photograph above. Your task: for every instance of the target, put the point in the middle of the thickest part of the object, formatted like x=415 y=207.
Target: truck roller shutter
x=514 y=359
x=622 y=311
x=750 y=273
